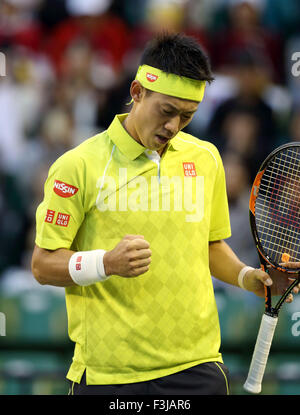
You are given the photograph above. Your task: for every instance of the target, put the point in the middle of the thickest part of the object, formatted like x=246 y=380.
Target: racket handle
x=261 y=353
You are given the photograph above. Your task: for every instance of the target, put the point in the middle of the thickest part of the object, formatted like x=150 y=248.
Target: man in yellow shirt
x=132 y=224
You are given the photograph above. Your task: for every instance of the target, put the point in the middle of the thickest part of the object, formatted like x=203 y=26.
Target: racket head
x=274 y=208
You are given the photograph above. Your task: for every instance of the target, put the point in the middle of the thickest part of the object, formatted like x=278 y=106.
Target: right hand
x=131 y=257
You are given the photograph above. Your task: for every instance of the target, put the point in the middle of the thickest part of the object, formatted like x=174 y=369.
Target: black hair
x=178 y=54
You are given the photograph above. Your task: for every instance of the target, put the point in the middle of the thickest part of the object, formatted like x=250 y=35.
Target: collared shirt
x=134 y=329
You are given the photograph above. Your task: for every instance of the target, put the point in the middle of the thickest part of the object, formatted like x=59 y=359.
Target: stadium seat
x=32 y=373
x=35 y=317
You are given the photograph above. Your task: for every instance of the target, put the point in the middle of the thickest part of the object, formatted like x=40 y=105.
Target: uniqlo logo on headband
x=49 y=216
x=151 y=77
x=62 y=219
x=189 y=169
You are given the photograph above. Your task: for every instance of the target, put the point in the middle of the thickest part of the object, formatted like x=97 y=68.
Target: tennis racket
x=274 y=210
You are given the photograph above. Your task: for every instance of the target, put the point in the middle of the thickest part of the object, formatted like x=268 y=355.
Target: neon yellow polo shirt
x=135 y=329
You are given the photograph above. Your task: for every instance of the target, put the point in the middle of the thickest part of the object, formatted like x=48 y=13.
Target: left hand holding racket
x=278 y=281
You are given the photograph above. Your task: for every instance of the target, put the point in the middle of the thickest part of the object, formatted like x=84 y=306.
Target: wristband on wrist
x=242 y=275
x=87 y=267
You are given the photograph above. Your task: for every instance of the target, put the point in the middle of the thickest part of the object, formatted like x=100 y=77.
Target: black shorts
x=205 y=379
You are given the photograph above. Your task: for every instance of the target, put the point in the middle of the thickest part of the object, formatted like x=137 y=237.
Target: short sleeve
x=61 y=212
x=219 y=220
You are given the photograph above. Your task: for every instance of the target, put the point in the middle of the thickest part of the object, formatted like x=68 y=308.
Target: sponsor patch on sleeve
x=63 y=189
x=49 y=216
x=62 y=219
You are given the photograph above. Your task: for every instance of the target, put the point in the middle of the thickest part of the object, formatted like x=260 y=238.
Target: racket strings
x=280 y=237
x=277 y=210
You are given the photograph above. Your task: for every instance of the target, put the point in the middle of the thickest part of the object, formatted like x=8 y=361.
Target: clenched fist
x=130 y=258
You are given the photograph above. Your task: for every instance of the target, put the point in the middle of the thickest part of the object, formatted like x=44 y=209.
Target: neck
x=129 y=127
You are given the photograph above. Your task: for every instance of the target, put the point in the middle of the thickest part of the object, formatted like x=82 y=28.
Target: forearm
x=223 y=262
x=52 y=267
x=131 y=257
x=226 y=266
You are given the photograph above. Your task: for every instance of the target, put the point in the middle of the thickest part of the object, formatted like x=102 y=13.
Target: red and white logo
x=62 y=219
x=78 y=263
x=49 y=216
x=151 y=77
x=189 y=169
x=63 y=189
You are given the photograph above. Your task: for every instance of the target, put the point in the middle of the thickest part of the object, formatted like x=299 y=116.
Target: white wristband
x=242 y=275
x=87 y=267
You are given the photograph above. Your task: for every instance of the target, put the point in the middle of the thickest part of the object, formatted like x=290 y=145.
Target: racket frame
x=264 y=259
x=270 y=316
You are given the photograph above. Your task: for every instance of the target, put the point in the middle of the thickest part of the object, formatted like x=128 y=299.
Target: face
x=157 y=118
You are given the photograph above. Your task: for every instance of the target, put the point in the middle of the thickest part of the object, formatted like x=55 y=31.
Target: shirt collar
x=126 y=144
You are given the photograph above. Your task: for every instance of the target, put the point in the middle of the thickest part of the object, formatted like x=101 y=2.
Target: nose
x=172 y=125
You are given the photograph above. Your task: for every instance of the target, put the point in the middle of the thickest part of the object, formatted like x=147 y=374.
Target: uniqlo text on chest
x=189 y=169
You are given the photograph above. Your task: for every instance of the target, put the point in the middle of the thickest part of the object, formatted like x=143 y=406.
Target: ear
x=136 y=91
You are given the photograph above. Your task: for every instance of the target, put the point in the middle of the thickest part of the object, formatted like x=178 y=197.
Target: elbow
x=37 y=273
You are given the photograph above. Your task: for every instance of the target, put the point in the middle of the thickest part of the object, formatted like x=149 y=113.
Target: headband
x=170 y=84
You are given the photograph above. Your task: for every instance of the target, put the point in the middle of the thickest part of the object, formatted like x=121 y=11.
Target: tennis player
x=133 y=224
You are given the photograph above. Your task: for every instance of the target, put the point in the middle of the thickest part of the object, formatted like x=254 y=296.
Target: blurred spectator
x=56 y=136
x=245 y=31
x=203 y=14
x=132 y=11
x=240 y=131
x=246 y=120
x=13 y=221
x=11 y=133
x=169 y=15
x=23 y=96
x=91 y=20
x=81 y=88
x=240 y=134
x=224 y=87
x=294 y=132
x=50 y=13
x=282 y=16
x=238 y=183
x=18 y=26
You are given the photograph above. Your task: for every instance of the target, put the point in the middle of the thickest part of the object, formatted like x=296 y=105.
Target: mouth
x=162 y=139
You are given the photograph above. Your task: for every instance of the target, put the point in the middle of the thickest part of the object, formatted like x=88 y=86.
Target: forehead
x=176 y=103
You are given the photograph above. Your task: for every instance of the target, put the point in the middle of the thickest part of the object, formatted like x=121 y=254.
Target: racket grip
x=261 y=353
